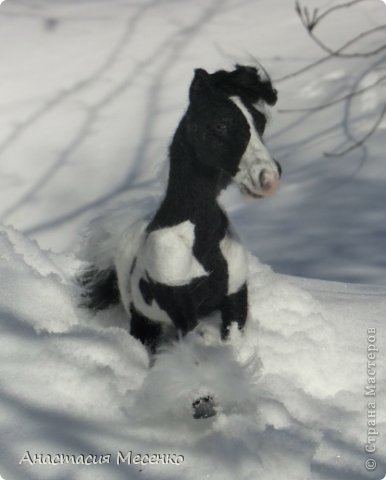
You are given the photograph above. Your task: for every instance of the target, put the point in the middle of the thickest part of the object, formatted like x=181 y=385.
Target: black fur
x=100 y=288
x=234 y=308
x=246 y=83
x=145 y=330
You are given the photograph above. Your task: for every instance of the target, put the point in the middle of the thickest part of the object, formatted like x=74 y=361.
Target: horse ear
x=247 y=83
x=200 y=83
x=255 y=85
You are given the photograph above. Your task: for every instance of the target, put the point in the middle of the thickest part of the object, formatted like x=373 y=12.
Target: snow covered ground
x=292 y=389
x=90 y=93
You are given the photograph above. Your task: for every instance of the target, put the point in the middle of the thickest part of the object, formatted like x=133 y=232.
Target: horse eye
x=221 y=129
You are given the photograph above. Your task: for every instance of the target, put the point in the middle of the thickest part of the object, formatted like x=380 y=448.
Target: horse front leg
x=234 y=308
x=145 y=330
x=184 y=314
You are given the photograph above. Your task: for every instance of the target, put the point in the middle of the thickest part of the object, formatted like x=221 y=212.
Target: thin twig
x=333 y=54
x=309 y=25
x=359 y=142
x=327 y=49
x=336 y=7
x=334 y=102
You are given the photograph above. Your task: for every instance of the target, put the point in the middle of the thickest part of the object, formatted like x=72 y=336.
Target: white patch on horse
x=168 y=255
x=237 y=259
x=127 y=248
x=256 y=156
x=128 y=251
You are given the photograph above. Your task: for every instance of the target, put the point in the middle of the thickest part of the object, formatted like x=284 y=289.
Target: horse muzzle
x=261 y=181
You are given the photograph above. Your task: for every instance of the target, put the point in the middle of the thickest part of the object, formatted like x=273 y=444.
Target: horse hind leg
x=150 y=333
x=99 y=288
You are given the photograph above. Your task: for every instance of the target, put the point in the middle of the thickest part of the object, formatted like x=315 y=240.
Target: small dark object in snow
x=50 y=24
x=204 y=407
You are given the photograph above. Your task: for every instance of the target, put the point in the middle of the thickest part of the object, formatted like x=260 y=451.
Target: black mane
x=245 y=82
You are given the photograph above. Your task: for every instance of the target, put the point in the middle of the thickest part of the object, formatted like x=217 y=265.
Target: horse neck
x=192 y=189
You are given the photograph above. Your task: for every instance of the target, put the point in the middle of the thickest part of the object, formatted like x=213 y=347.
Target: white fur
x=165 y=255
x=237 y=259
x=168 y=255
x=256 y=156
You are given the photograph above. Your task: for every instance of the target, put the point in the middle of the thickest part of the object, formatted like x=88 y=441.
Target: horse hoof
x=204 y=407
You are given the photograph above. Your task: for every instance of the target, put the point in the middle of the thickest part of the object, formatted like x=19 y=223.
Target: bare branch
x=334 y=102
x=346 y=55
x=333 y=54
x=337 y=7
x=309 y=24
x=362 y=141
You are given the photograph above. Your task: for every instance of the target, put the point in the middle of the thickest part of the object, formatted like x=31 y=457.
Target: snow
x=91 y=92
x=290 y=390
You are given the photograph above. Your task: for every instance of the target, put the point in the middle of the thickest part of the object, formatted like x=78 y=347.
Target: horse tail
x=99 y=288
x=107 y=251
x=97 y=277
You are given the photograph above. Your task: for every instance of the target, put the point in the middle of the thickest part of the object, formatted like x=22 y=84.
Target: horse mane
x=245 y=82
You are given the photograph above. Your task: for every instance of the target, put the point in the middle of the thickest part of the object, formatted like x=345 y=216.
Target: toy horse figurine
x=186 y=262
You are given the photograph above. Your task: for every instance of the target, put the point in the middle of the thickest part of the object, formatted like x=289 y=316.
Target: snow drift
x=292 y=388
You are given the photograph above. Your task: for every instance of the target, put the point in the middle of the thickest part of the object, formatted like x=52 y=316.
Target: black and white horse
x=187 y=262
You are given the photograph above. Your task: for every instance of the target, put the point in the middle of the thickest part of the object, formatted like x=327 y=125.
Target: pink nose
x=269 y=182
